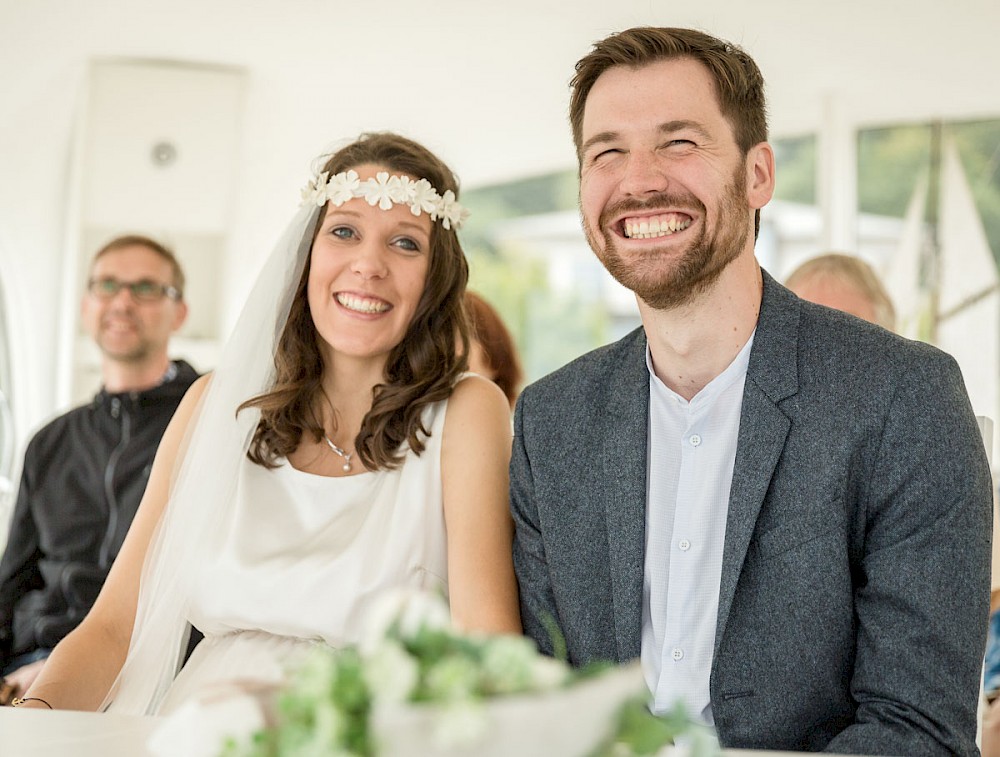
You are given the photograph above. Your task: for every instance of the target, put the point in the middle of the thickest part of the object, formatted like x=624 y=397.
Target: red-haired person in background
x=492 y=351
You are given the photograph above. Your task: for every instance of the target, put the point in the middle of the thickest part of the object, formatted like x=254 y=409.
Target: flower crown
x=385 y=190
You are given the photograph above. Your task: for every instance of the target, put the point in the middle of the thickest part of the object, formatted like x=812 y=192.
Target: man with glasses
x=85 y=472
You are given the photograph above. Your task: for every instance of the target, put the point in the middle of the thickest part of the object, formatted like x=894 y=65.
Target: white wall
x=306 y=63
x=485 y=85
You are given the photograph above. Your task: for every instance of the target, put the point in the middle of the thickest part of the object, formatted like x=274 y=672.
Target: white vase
x=565 y=722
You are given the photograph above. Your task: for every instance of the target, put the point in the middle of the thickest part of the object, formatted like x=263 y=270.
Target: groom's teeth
x=657 y=226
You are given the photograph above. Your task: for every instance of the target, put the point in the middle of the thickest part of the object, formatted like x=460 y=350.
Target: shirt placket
x=682 y=649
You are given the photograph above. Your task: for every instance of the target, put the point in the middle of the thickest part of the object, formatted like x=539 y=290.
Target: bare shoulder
x=197 y=389
x=191 y=400
x=173 y=438
x=476 y=402
x=478 y=422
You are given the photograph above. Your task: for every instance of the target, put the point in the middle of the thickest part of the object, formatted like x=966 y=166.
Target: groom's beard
x=663 y=283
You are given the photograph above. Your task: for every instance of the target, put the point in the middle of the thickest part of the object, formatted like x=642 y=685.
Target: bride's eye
x=343 y=232
x=407 y=244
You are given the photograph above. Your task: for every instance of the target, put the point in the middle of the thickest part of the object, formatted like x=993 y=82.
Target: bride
x=338 y=451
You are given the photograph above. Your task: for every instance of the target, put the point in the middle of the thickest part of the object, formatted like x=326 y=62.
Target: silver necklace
x=346 y=455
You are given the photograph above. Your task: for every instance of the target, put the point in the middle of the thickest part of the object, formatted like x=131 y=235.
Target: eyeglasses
x=144 y=290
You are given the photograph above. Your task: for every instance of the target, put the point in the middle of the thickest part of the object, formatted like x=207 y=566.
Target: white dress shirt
x=689 y=470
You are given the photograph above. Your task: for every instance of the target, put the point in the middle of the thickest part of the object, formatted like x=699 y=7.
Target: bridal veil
x=204 y=477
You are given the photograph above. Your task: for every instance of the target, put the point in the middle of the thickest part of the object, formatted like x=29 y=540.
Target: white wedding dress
x=303 y=558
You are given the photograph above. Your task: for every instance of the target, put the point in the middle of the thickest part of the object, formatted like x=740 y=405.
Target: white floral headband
x=385 y=190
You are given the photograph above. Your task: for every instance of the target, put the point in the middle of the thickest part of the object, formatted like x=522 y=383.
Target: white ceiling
x=482 y=83
x=485 y=83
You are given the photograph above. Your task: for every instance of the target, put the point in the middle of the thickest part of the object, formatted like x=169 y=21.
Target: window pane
x=890 y=162
x=935 y=187
x=978 y=145
x=528 y=258
x=795 y=169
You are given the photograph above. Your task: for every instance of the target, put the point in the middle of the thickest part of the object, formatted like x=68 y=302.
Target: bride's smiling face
x=367 y=272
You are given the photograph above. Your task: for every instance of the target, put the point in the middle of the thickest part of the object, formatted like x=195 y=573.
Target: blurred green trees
x=891 y=160
x=550 y=325
x=553 y=323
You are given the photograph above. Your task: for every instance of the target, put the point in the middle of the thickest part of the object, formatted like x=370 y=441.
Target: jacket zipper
x=117 y=410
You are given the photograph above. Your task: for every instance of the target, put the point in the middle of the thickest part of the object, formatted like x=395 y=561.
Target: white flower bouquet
x=417 y=687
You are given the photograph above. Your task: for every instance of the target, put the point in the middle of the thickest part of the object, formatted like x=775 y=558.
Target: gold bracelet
x=18 y=701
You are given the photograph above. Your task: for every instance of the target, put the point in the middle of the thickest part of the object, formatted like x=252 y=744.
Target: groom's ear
x=760 y=175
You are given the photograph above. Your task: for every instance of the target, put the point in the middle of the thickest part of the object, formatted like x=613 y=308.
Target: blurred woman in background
x=492 y=352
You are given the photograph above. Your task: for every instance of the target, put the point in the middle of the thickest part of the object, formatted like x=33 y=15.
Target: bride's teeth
x=362 y=305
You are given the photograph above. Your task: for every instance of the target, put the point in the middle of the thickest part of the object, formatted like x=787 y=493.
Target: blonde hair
x=854 y=272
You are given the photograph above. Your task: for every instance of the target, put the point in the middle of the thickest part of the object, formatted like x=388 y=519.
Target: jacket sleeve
x=538 y=608
x=19 y=564
x=922 y=596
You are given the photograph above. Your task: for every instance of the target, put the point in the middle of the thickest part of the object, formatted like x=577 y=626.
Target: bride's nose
x=369 y=261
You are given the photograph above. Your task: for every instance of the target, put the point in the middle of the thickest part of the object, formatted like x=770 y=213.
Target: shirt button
x=695 y=440
x=684 y=545
x=677 y=653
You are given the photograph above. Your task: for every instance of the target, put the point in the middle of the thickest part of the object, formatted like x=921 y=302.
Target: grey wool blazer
x=856 y=571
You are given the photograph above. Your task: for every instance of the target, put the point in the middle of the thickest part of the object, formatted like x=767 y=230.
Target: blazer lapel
x=772 y=376
x=621 y=431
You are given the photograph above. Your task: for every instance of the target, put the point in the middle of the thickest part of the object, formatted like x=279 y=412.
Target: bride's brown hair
x=421 y=369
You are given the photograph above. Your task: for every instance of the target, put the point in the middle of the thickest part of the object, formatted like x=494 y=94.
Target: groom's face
x=663 y=184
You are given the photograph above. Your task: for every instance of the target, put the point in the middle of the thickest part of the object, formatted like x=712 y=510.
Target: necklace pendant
x=340 y=453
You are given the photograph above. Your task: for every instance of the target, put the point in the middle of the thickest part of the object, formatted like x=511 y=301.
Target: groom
x=783 y=511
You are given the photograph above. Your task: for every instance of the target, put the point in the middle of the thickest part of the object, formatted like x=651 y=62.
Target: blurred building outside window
x=529 y=258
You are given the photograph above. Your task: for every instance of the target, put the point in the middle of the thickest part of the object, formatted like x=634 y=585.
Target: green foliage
x=979 y=148
x=327 y=709
x=639 y=733
x=564 y=327
x=559 y=650
x=549 y=329
x=547 y=193
x=327 y=712
x=891 y=160
x=261 y=745
x=448 y=666
x=552 y=328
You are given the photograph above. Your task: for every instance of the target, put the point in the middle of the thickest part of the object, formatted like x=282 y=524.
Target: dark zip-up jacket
x=84 y=474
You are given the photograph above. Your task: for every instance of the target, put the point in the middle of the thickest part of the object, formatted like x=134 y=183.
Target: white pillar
x=837 y=176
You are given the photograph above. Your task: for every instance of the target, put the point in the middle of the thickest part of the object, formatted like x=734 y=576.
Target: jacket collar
x=179 y=376
x=773 y=358
x=772 y=377
x=624 y=428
